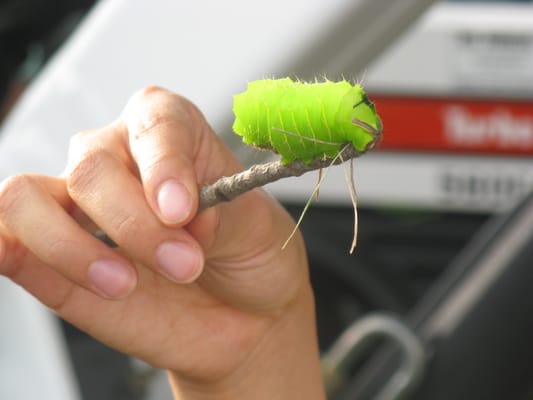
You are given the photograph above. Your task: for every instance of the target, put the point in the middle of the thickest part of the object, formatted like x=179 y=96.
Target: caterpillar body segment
x=321 y=117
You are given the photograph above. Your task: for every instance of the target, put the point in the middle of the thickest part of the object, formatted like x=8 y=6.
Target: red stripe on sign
x=456 y=125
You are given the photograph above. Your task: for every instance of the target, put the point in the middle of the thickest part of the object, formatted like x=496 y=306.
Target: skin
x=210 y=297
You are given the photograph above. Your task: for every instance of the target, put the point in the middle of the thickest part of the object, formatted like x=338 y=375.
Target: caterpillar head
x=358 y=119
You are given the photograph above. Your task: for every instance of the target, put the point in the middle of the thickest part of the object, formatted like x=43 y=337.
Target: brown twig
x=228 y=187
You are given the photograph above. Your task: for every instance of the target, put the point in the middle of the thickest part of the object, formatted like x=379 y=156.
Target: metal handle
x=355 y=340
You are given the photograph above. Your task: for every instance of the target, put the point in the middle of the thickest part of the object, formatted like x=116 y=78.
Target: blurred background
x=437 y=295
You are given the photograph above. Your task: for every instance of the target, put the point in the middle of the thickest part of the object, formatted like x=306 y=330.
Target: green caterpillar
x=305 y=121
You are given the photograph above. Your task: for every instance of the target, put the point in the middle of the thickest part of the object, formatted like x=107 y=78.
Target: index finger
x=170 y=142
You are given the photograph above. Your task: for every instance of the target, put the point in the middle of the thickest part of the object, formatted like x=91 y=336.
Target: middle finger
x=104 y=186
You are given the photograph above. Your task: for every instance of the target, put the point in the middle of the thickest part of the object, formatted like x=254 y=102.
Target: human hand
x=211 y=296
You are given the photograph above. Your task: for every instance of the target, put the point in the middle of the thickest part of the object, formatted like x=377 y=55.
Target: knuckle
x=82 y=172
x=148 y=94
x=153 y=164
x=12 y=190
x=153 y=107
x=78 y=147
x=150 y=90
x=141 y=99
x=126 y=225
x=149 y=124
x=56 y=250
x=79 y=141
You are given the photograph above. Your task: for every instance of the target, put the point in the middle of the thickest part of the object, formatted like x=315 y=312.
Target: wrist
x=285 y=363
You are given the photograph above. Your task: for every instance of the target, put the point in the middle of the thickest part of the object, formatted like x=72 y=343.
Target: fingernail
x=111 y=278
x=178 y=262
x=174 y=201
